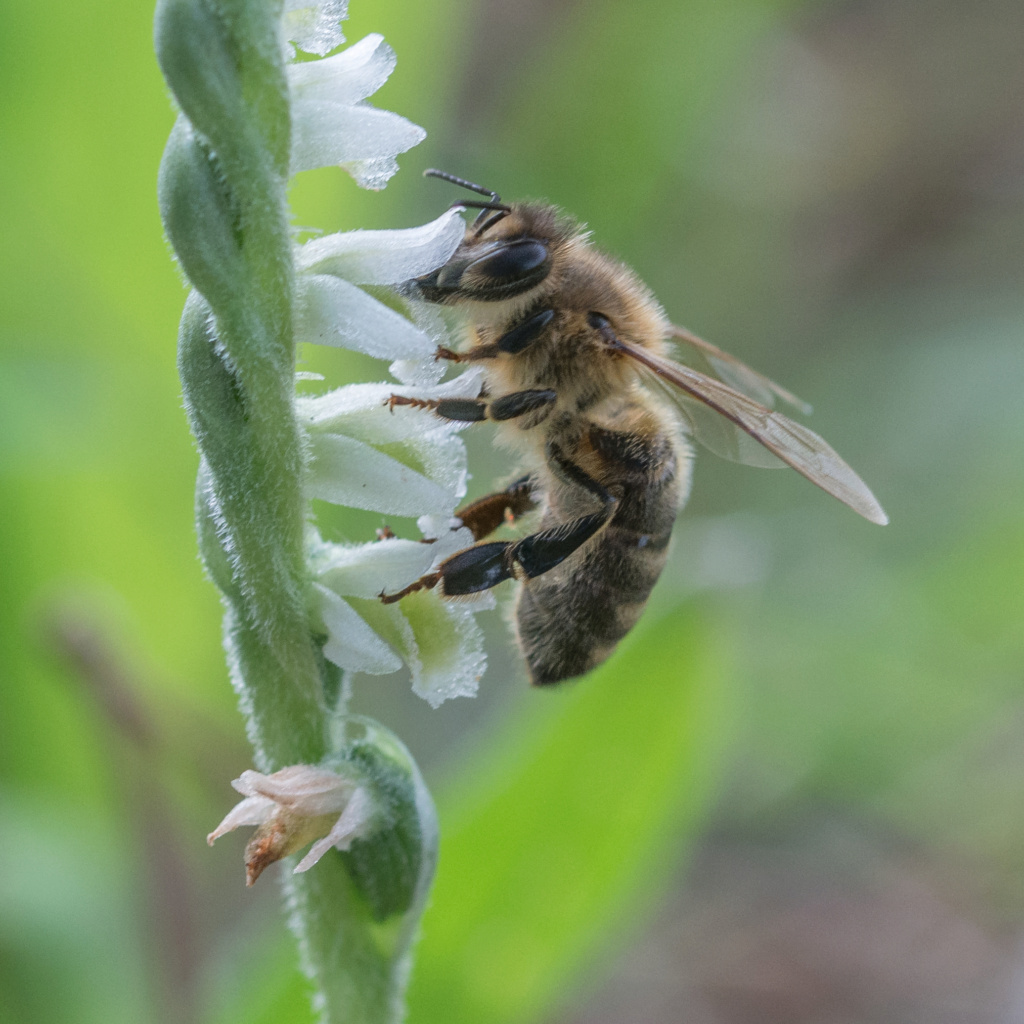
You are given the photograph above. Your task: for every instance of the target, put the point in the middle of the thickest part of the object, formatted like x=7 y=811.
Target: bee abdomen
x=568 y=623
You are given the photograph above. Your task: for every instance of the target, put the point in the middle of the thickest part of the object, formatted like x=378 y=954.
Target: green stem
x=222 y=197
x=273 y=659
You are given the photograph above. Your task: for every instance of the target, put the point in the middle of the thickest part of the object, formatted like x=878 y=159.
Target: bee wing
x=794 y=444
x=734 y=372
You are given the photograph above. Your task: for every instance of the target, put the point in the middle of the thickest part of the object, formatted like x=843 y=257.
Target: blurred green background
x=795 y=794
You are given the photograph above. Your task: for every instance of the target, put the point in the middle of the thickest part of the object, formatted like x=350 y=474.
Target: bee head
x=507 y=251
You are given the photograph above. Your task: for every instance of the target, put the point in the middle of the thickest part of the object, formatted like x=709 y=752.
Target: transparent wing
x=697 y=395
x=716 y=433
x=701 y=355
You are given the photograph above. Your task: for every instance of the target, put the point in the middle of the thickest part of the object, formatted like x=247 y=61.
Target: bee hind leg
x=486 y=514
x=480 y=517
x=486 y=565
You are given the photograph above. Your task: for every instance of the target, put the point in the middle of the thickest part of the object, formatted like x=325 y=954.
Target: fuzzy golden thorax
x=575 y=280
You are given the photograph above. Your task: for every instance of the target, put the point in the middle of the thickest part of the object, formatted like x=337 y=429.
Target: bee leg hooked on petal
x=427 y=582
x=450 y=355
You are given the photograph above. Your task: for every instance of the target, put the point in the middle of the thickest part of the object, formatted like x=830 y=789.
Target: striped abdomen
x=570 y=620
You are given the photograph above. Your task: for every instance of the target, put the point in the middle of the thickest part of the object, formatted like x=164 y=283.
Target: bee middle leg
x=473 y=410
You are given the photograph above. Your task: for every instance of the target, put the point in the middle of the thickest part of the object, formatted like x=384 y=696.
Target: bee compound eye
x=521 y=263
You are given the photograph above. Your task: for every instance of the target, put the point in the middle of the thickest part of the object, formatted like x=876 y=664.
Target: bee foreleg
x=525 y=333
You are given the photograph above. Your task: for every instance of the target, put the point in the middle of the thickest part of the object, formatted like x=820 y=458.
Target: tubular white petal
x=254 y=810
x=439 y=641
x=371 y=174
x=324 y=134
x=433 y=324
x=368 y=569
x=384 y=257
x=365 y=570
x=444 y=648
x=419 y=372
x=332 y=125
x=330 y=311
x=348 y=472
x=443 y=457
x=351 y=644
x=347 y=77
x=314 y=27
x=302 y=788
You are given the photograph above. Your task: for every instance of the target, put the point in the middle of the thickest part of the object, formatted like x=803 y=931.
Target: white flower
x=439 y=641
x=313 y=27
x=400 y=462
x=331 y=123
x=351 y=431
x=332 y=310
x=362 y=454
x=292 y=808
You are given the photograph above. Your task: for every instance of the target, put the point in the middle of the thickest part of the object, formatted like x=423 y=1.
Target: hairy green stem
x=222 y=197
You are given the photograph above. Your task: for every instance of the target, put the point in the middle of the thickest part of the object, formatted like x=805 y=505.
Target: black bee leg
x=486 y=565
x=511 y=342
x=465 y=409
x=508 y=407
x=536 y=554
x=486 y=514
x=473 y=410
x=525 y=333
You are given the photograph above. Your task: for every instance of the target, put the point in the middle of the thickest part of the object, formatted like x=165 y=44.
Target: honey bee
x=577 y=376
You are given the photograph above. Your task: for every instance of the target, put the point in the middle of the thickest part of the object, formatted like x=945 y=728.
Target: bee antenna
x=432 y=172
